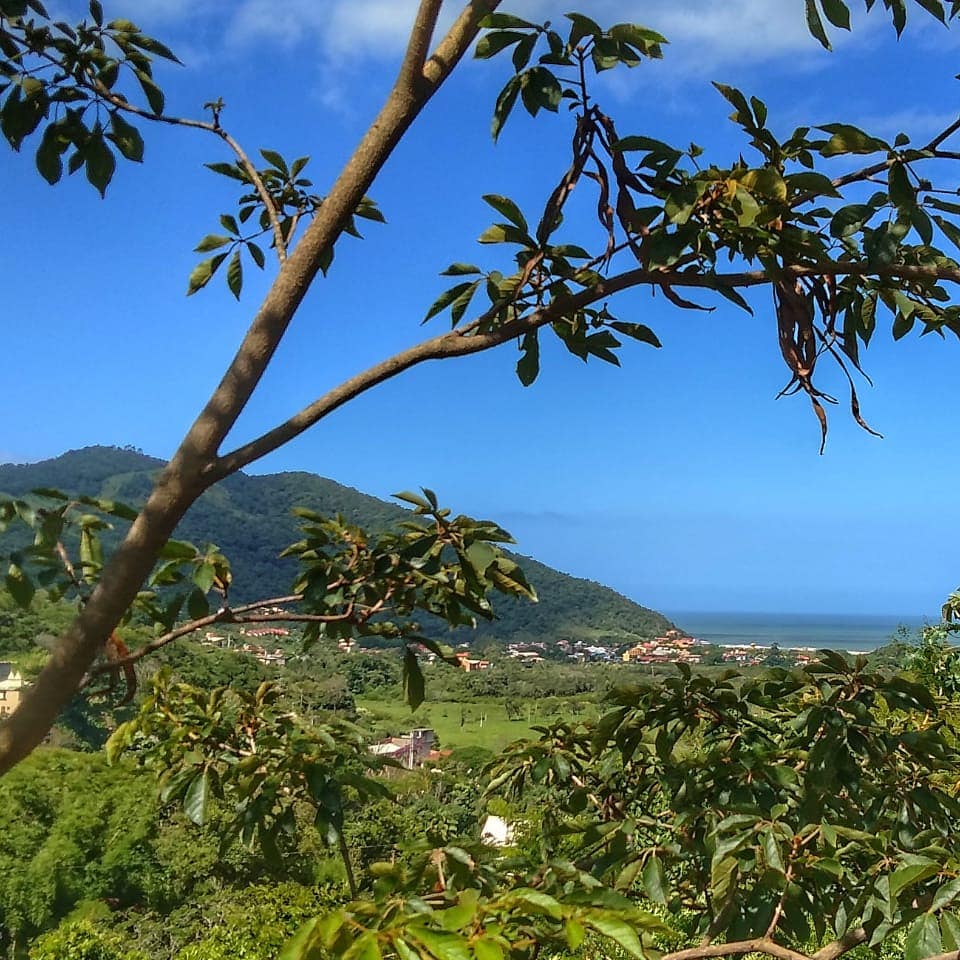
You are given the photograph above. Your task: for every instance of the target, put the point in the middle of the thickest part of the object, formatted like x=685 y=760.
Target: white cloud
x=704 y=34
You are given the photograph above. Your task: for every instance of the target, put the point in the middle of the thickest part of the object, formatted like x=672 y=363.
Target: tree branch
x=401 y=108
x=467 y=340
x=738 y=948
x=193 y=467
x=852 y=938
x=227 y=615
x=411 y=70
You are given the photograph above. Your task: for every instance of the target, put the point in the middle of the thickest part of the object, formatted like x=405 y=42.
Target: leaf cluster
x=259 y=761
x=277 y=194
x=73 y=79
x=807 y=804
x=66 y=558
x=373 y=585
x=834 y=252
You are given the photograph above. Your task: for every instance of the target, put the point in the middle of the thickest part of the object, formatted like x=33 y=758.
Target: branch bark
x=466 y=340
x=738 y=948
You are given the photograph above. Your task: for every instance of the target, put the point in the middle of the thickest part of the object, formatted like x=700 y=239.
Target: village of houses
x=417 y=748
x=673 y=647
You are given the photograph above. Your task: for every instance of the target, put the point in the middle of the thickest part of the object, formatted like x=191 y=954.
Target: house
x=410 y=750
x=468 y=664
x=11 y=687
x=496 y=832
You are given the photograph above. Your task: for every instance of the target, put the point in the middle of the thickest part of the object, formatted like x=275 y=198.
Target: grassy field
x=483 y=724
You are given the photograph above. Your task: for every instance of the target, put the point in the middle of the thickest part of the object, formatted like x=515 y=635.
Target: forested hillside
x=250 y=519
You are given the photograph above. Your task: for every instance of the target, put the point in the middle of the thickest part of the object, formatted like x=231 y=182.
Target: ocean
x=853 y=632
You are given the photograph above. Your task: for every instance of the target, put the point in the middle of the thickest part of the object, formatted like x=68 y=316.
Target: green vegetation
x=485 y=723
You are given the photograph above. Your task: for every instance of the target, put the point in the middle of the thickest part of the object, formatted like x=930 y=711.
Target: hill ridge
x=249 y=518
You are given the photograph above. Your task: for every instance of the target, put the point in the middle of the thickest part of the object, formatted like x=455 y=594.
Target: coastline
x=852 y=633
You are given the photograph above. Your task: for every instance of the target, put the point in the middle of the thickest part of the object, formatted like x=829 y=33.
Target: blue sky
x=676 y=479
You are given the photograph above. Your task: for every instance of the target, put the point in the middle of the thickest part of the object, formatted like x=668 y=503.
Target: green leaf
x=951 y=230
x=444 y=945
x=212 y=241
x=460 y=270
x=507 y=208
x=256 y=254
x=504 y=105
x=902 y=194
x=906 y=875
x=126 y=137
x=655 y=880
x=944 y=896
x=100 y=162
x=619 y=931
x=528 y=366
x=902 y=325
x=850 y=219
x=49 y=153
x=837 y=13
x=230 y=170
x=154 y=46
x=276 y=161
x=486 y=948
x=490 y=44
x=447 y=298
x=923 y=938
x=196 y=798
x=413 y=683
x=582 y=27
x=151 y=91
x=638 y=331
x=809 y=181
x=934 y=8
x=459 y=306
x=235 y=274
x=19 y=586
x=950 y=930
x=500 y=20
x=505 y=233
x=536 y=901
x=815 y=24
x=766 y=182
x=540 y=90
x=848 y=139
x=202 y=272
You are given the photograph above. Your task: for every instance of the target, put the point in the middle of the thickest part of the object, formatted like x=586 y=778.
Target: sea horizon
x=836 y=631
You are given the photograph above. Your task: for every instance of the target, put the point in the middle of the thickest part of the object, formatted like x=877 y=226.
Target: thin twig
x=121 y=104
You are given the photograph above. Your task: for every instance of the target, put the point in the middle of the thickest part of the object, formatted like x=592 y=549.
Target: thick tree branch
x=852 y=938
x=740 y=947
x=401 y=108
x=467 y=340
x=193 y=467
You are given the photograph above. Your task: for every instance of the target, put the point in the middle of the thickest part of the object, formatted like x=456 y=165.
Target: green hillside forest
x=250 y=519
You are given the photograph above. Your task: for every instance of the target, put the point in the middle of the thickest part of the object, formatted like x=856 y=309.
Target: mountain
x=249 y=518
